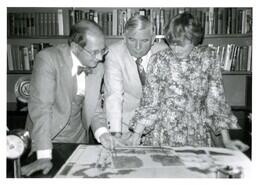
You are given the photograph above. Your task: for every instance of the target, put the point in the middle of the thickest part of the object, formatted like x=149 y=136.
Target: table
x=61 y=152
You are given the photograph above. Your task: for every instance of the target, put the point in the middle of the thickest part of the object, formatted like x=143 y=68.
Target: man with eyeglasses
x=125 y=72
x=65 y=95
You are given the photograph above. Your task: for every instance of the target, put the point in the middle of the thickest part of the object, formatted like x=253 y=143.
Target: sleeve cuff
x=115 y=125
x=44 y=154
x=99 y=132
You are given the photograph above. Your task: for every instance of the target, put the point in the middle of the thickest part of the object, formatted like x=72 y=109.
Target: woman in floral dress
x=183 y=98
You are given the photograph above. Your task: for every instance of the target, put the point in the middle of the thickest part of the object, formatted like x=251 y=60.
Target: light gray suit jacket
x=123 y=88
x=51 y=96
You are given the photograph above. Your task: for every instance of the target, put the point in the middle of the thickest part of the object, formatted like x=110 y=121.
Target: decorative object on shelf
x=22 y=87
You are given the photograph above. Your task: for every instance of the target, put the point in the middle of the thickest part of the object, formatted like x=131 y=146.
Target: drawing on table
x=96 y=161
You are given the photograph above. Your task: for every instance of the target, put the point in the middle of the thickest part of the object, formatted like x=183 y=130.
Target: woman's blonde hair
x=184 y=26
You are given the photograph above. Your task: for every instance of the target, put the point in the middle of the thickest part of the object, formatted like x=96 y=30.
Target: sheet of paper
x=183 y=162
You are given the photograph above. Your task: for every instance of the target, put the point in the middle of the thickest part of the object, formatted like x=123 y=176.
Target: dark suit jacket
x=51 y=96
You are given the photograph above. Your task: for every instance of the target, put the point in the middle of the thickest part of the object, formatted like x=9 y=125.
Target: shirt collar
x=145 y=57
x=76 y=62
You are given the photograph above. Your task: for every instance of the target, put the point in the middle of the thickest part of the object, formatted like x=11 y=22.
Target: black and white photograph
x=127 y=91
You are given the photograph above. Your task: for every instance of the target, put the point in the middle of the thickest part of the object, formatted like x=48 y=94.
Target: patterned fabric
x=183 y=99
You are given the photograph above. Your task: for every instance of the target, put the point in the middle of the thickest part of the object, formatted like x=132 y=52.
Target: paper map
x=96 y=162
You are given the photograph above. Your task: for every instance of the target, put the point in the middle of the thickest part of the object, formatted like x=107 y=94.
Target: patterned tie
x=141 y=71
x=86 y=70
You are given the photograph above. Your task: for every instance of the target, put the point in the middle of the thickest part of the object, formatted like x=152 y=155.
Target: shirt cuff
x=99 y=132
x=44 y=154
x=115 y=125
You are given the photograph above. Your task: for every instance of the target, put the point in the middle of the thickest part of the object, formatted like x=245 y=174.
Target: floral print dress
x=183 y=100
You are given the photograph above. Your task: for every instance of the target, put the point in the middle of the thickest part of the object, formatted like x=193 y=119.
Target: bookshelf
x=31 y=29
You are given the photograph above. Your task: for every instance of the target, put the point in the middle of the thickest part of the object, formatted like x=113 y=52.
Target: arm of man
x=99 y=128
x=113 y=92
x=42 y=92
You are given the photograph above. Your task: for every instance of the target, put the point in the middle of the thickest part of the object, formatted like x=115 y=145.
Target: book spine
x=9 y=57
x=114 y=24
x=162 y=21
x=49 y=24
x=60 y=22
x=41 y=28
x=66 y=23
x=110 y=23
x=249 y=63
x=26 y=59
x=211 y=19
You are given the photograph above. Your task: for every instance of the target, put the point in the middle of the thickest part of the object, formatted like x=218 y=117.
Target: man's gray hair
x=138 y=22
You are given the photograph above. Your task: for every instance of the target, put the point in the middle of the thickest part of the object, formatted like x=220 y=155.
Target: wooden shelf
x=236 y=73
x=249 y=35
x=120 y=37
x=18 y=72
x=241 y=108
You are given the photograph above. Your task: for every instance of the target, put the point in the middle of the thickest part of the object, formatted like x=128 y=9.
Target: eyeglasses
x=95 y=53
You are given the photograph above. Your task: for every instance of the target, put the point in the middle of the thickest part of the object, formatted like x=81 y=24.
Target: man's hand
x=236 y=145
x=110 y=142
x=41 y=164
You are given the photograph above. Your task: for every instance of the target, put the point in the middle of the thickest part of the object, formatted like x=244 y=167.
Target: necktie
x=141 y=71
x=86 y=70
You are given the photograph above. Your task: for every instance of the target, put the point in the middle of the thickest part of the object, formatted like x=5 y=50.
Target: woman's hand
x=233 y=144
x=236 y=145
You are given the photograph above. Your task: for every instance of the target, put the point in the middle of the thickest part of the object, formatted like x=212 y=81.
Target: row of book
x=235 y=58
x=34 y=24
x=231 y=57
x=58 y=21
x=228 y=21
x=21 y=58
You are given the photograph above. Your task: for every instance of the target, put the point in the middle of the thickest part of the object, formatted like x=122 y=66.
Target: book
x=227 y=58
x=66 y=22
x=110 y=17
x=9 y=58
x=60 y=22
x=249 y=62
x=114 y=22
x=26 y=59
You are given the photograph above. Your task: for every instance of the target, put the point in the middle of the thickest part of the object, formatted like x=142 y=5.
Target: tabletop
x=94 y=161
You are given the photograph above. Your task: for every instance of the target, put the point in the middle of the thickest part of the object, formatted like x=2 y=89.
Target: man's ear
x=74 y=47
